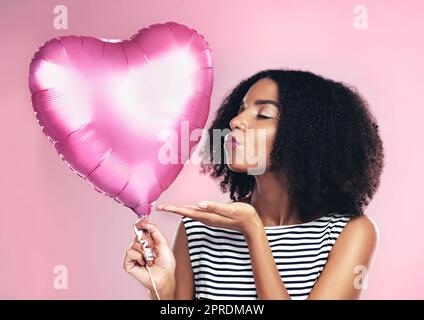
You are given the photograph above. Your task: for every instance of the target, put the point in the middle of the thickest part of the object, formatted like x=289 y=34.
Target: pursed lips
x=231 y=140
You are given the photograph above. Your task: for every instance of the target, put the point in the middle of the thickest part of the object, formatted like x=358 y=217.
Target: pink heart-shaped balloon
x=121 y=112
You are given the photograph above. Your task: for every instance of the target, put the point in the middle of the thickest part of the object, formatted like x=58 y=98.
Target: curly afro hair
x=327 y=143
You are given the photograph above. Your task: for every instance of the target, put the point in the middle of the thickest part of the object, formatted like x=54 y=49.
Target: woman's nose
x=238 y=123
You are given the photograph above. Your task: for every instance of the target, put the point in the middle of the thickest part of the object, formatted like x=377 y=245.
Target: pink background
x=50 y=217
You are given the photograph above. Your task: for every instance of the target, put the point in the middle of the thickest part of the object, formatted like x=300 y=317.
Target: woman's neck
x=271 y=200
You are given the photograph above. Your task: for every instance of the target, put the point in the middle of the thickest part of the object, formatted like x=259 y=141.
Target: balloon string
x=153 y=282
x=148 y=254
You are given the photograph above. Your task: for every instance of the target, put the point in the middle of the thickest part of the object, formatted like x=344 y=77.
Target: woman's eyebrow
x=262 y=101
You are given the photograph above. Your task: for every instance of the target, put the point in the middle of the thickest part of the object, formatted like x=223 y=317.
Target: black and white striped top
x=221 y=262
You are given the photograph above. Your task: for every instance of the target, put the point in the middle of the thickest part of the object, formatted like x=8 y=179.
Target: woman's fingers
x=140 y=257
x=220 y=208
x=157 y=236
x=136 y=245
x=134 y=255
x=206 y=217
x=184 y=211
x=143 y=223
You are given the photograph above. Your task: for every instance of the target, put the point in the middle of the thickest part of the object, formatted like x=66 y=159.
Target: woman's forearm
x=269 y=284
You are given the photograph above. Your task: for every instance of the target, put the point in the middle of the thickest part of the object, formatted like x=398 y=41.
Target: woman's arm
x=352 y=253
x=184 y=289
x=345 y=272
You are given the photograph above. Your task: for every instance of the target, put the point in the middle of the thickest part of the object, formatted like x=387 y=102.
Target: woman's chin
x=240 y=164
x=240 y=168
x=248 y=169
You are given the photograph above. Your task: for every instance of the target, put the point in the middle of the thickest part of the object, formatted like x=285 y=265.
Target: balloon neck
x=142 y=210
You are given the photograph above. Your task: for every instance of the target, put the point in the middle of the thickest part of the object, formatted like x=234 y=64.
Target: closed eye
x=261 y=116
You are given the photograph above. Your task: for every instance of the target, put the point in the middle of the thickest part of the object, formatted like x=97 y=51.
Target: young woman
x=296 y=230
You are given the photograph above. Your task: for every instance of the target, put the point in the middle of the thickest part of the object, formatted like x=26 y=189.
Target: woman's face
x=254 y=129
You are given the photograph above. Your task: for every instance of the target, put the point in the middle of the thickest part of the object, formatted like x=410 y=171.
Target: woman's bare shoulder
x=360 y=232
x=362 y=225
